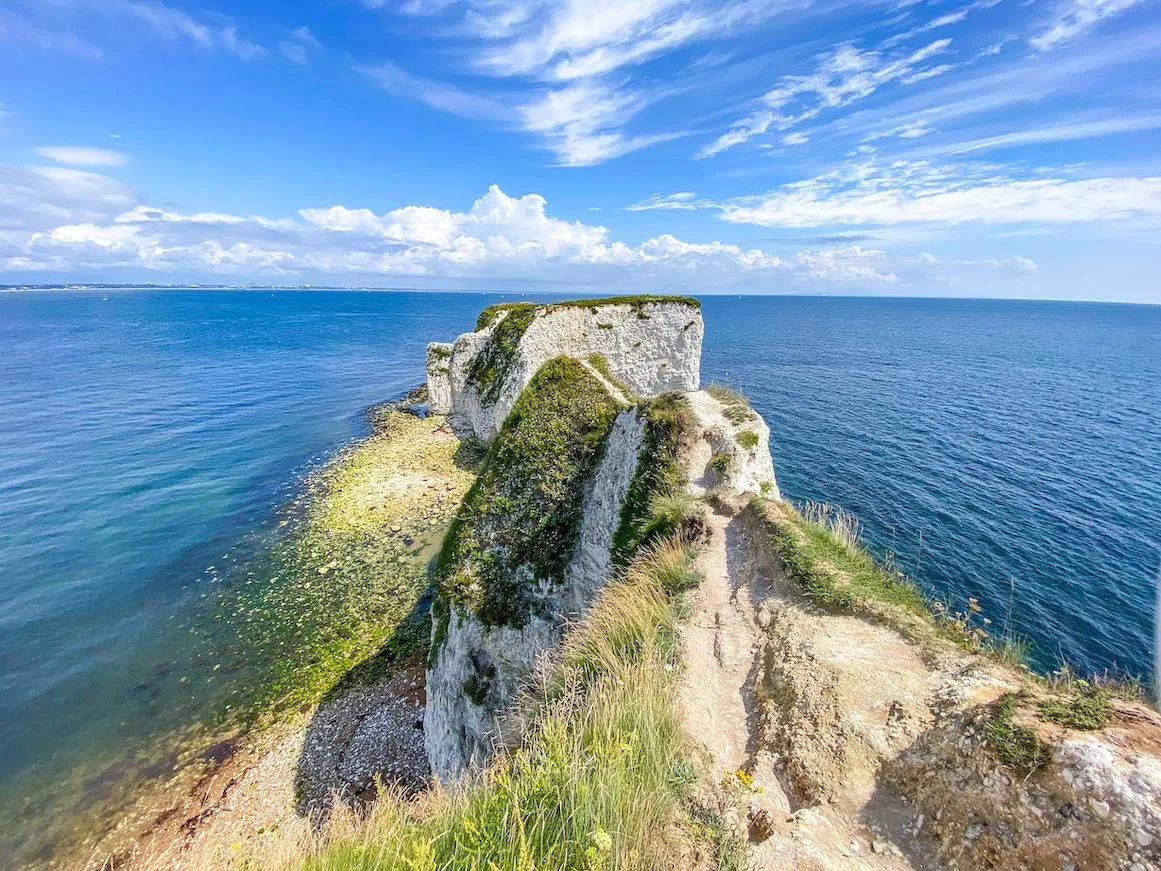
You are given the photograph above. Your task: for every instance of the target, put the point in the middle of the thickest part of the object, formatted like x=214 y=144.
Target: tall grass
x=821 y=550
x=601 y=779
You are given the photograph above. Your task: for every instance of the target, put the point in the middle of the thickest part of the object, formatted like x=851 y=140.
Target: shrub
x=748 y=439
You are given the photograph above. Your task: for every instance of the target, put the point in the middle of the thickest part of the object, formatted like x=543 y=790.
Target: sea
x=1005 y=451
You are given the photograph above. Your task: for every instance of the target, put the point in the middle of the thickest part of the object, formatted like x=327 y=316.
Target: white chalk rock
x=478 y=671
x=439 y=394
x=649 y=347
x=733 y=431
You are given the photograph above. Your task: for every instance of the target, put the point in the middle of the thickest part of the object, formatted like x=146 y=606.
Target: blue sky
x=950 y=148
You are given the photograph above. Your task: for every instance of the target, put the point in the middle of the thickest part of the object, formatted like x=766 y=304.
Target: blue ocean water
x=1004 y=450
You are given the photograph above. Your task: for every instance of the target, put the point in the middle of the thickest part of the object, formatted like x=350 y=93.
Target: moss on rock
x=668 y=421
x=517 y=527
x=491 y=367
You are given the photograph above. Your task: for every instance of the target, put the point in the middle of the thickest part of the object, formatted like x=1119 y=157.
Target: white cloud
x=910 y=130
x=499 y=235
x=842 y=76
x=582 y=122
x=796 y=138
x=299 y=46
x=82 y=156
x=1071 y=19
x=178 y=26
x=845 y=264
x=39 y=197
x=680 y=201
x=51 y=26
x=1069 y=131
x=438 y=95
x=919 y=192
x=576 y=55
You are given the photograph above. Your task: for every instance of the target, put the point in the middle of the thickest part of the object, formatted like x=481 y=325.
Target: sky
x=999 y=148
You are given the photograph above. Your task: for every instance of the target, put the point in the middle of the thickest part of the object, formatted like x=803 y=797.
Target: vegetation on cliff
x=638 y=303
x=655 y=504
x=603 y=778
x=517 y=526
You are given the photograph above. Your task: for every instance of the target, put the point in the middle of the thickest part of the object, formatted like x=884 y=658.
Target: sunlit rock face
x=649 y=347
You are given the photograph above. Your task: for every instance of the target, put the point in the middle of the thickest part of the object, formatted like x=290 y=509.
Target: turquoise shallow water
x=144 y=434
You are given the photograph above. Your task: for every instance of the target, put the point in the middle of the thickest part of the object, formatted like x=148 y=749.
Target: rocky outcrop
x=529 y=375
x=439 y=392
x=650 y=345
x=479 y=670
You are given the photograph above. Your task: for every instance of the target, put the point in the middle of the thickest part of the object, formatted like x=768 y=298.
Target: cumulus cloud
x=82 y=156
x=499 y=235
x=848 y=263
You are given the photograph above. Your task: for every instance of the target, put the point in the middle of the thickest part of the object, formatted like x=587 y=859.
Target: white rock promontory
x=650 y=347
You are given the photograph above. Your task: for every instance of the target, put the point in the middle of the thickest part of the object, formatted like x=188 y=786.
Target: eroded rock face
x=439 y=392
x=651 y=348
x=735 y=443
x=478 y=670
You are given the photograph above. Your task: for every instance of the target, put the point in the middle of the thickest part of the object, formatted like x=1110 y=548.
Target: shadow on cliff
x=367 y=731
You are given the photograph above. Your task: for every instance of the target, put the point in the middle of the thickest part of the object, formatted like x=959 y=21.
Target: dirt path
x=806 y=706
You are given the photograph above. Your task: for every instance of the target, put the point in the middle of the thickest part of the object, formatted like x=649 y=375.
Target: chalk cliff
x=651 y=345
x=537 y=538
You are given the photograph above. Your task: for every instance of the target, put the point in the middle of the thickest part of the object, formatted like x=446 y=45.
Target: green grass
x=518 y=524
x=602 y=778
x=638 y=302
x=1085 y=709
x=736 y=406
x=654 y=506
x=490 y=368
x=820 y=550
x=831 y=571
x=601 y=363
x=721 y=463
x=1018 y=747
x=748 y=439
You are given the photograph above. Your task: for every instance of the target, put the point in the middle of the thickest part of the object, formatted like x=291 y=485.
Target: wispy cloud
x=82 y=156
x=578 y=58
x=1069 y=131
x=299 y=45
x=920 y=192
x=1071 y=19
x=439 y=95
x=842 y=76
x=54 y=26
x=175 y=25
